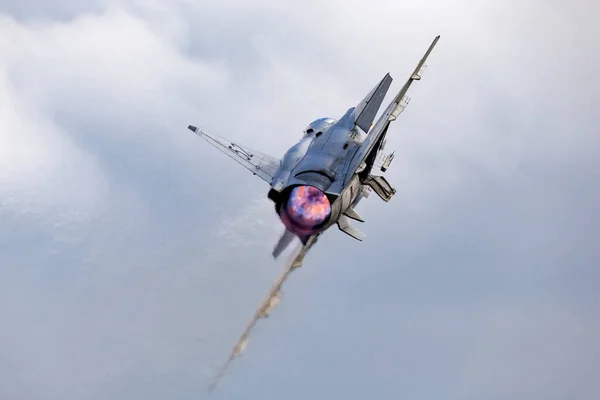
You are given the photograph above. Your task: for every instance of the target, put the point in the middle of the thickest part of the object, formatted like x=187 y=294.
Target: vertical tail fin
x=368 y=107
x=390 y=114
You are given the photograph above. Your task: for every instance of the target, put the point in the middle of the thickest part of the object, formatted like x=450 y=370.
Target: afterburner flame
x=305 y=210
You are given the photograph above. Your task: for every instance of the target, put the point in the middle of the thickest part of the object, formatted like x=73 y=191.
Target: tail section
x=368 y=107
x=379 y=130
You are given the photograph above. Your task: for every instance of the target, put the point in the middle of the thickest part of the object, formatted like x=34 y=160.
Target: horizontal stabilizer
x=284 y=241
x=344 y=225
x=351 y=213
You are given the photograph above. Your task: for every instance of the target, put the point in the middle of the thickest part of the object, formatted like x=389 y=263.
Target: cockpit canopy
x=318 y=125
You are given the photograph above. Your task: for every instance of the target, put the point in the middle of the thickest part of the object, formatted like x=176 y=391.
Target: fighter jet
x=320 y=179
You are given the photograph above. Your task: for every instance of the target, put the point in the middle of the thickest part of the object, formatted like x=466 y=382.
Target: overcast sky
x=132 y=254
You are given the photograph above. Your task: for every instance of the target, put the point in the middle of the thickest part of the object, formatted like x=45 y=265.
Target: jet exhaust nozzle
x=305 y=211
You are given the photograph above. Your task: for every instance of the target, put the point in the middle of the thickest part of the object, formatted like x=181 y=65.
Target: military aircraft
x=321 y=179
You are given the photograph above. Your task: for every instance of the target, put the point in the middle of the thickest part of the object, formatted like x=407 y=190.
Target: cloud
x=63 y=10
x=135 y=253
x=41 y=169
x=62 y=79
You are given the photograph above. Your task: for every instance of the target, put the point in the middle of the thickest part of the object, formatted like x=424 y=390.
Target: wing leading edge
x=259 y=164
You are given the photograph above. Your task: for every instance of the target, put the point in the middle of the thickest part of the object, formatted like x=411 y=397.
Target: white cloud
x=171 y=254
x=41 y=170
x=99 y=67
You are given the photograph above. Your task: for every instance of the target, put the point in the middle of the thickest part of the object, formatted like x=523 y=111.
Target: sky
x=132 y=254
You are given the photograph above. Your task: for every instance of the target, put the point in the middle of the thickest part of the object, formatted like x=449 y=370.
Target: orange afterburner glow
x=305 y=210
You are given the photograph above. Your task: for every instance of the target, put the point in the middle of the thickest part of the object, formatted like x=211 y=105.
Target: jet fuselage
x=309 y=189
